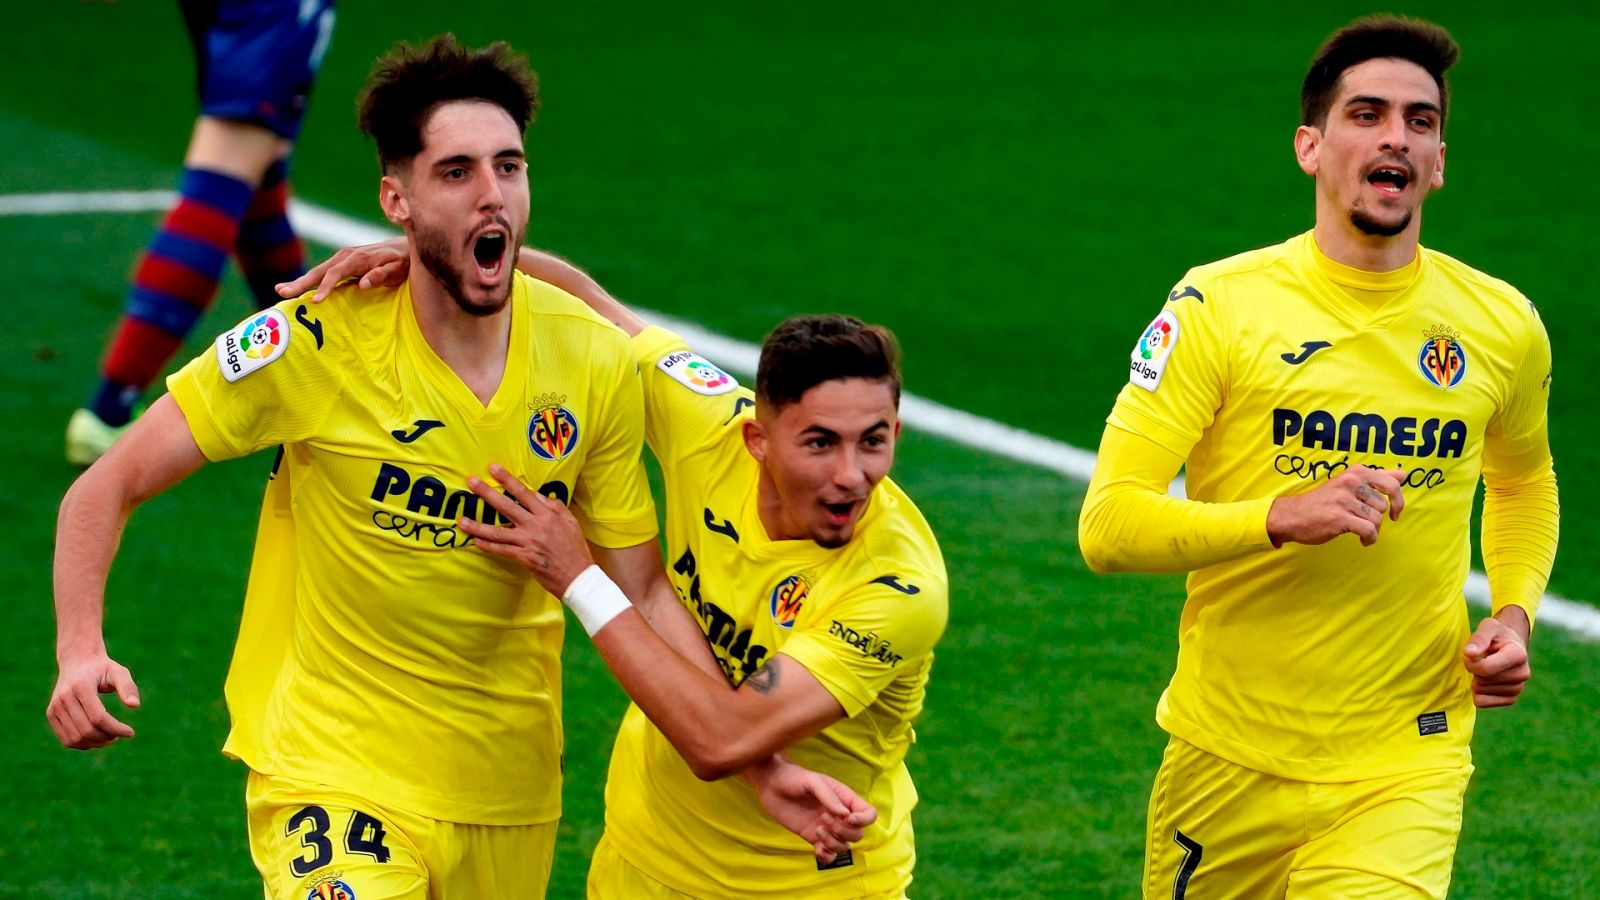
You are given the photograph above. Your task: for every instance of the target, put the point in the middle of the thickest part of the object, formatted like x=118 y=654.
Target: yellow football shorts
x=1217 y=829
x=611 y=877
x=314 y=842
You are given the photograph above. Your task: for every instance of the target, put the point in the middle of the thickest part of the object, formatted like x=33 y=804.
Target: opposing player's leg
x=1388 y=839
x=256 y=60
x=268 y=250
x=313 y=841
x=1217 y=829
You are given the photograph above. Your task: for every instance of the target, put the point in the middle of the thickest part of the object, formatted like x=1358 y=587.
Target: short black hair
x=804 y=351
x=1376 y=37
x=408 y=83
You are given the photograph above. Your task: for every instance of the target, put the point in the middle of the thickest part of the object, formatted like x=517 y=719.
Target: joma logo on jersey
x=869 y=644
x=552 y=430
x=788 y=598
x=1370 y=433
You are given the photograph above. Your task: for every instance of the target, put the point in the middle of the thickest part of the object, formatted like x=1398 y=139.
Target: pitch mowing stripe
x=338 y=230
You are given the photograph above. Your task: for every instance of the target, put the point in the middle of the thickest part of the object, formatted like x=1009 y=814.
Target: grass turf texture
x=1013 y=190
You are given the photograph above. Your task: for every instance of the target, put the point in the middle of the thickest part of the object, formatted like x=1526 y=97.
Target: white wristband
x=595 y=599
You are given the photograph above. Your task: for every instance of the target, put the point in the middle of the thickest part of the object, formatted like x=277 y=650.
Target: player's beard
x=434 y=252
x=1366 y=223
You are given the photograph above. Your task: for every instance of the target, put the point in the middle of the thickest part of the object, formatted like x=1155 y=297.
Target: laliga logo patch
x=552 y=429
x=1442 y=360
x=256 y=341
x=331 y=889
x=788 y=598
x=1149 y=358
x=696 y=373
x=707 y=376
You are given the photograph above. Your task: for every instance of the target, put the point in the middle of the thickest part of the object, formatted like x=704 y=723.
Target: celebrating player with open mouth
x=396 y=691
x=1346 y=382
x=812 y=578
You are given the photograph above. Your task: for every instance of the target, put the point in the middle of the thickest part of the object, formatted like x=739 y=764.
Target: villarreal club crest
x=1442 y=360
x=552 y=429
x=331 y=889
x=788 y=598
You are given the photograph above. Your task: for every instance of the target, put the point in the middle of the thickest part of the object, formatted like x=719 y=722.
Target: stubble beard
x=1368 y=224
x=434 y=252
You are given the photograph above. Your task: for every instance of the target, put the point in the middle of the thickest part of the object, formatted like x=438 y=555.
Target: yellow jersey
x=380 y=652
x=1273 y=372
x=862 y=619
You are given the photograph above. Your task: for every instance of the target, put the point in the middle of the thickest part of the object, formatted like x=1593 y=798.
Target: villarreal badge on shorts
x=330 y=887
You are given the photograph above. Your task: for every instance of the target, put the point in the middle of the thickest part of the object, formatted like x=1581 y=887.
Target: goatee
x=1366 y=224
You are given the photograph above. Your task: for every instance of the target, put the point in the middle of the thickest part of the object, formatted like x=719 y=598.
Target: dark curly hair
x=408 y=83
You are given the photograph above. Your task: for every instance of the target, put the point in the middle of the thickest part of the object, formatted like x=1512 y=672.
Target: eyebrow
x=828 y=432
x=1416 y=106
x=462 y=158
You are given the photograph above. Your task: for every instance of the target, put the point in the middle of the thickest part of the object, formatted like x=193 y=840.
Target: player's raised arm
x=385 y=264
x=156 y=453
x=552 y=269
x=1175 y=387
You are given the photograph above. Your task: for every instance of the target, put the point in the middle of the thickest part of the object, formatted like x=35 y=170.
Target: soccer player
x=396 y=692
x=1336 y=399
x=255 y=63
x=814 y=579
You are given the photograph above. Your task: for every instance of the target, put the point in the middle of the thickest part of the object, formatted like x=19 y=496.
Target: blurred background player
x=255 y=62
x=1345 y=382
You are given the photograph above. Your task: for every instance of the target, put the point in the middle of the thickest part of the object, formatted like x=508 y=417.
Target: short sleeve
x=271 y=379
x=858 y=646
x=1177 y=369
x=612 y=500
x=689 y=401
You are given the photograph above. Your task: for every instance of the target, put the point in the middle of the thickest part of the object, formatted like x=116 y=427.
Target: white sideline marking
x=338 y=230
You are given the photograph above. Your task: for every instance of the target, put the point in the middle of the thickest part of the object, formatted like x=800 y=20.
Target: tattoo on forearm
x=765 y=679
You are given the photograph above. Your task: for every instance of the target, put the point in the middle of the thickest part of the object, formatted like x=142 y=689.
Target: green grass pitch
x=1013 y=187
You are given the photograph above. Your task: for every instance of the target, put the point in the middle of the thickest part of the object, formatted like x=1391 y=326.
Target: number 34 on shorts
x=313 y=843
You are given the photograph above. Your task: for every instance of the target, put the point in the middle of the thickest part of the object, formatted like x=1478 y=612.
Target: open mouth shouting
x=840 y=514
x=1390 y=179
x=489 y=252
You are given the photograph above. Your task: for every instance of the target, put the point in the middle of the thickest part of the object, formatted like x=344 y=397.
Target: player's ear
x=755 y=439
x=392 y=200
x=1307 y=146
x=1438 y=174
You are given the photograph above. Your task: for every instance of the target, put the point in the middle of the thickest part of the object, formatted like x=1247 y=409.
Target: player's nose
x=848 y=473
x=490 y=196
x=1395 y=136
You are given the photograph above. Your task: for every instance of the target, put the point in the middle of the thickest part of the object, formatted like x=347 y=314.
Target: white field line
x=338 y=230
